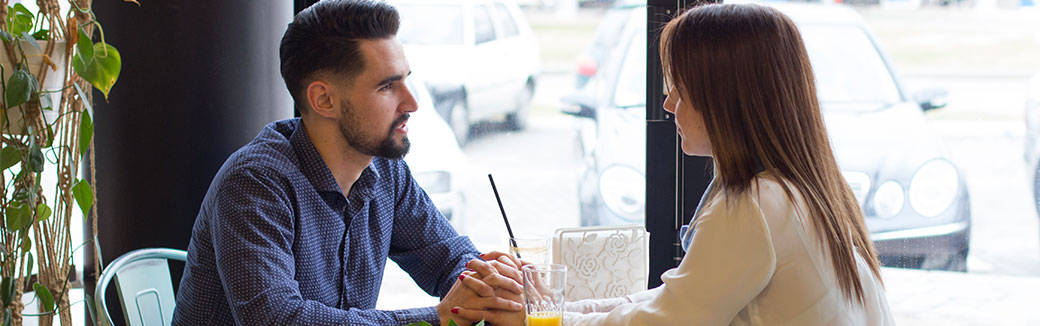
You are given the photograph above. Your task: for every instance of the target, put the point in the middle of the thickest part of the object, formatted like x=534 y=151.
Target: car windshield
x=631 y=84
x=430 y=24
x=850 y=74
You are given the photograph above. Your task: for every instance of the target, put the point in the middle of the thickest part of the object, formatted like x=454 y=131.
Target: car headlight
x=888 y=199
x=934 y=187
x=434 y=182
x=859 y=182
x=623 y=191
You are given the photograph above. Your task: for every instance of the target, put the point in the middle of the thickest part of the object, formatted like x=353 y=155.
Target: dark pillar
x=199 y=80
x=674 y=182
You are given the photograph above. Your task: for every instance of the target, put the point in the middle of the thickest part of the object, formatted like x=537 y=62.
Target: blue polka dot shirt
x=277 y=243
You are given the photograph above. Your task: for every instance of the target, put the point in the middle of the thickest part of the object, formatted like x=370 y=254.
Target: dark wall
x=199 y=80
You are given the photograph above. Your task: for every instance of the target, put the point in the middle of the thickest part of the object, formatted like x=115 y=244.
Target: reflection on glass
x=430 y=24
x=848 y=68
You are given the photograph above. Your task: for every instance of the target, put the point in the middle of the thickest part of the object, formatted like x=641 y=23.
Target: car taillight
x=586 y=66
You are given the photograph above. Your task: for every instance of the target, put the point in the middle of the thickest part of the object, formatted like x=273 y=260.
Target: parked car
x=606 y=38
x=480 y=57
x=436 y=162
x=539 y=4
x=914 y=198
x=1032 y=138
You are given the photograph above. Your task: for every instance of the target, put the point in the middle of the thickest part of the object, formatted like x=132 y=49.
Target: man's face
x=377 y=103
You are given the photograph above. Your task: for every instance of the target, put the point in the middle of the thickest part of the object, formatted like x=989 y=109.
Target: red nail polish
x=462 y=276
x=454 y=310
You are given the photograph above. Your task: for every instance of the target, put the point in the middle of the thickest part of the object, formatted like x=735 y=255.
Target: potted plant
x=49 y=65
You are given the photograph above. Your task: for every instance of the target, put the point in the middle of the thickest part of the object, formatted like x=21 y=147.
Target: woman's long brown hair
x=745 y=69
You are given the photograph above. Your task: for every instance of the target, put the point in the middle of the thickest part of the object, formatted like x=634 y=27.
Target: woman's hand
x=462 y=294
x=497 y=276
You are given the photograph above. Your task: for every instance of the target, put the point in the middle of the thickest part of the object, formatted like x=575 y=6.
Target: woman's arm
x=730 y=260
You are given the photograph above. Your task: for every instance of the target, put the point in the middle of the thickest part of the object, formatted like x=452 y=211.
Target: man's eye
x=386 y=87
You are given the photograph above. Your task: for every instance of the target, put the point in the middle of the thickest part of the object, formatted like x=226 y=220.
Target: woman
x=779 y=239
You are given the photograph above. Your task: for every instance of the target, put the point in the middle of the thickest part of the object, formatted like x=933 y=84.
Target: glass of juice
x=544 y=286
x=530 y=249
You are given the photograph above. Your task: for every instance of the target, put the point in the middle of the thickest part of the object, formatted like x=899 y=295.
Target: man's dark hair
x=324 y=38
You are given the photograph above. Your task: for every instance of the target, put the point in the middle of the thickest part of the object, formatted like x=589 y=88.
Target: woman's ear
x=322 y=99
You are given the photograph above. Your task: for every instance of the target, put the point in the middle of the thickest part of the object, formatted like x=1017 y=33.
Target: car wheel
x=1036 y=187
x=957 y=262
x=518 y=119
x=589 y=216
x=459 y=120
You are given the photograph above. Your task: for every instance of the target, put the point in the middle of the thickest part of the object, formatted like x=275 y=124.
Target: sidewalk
x=946 y=298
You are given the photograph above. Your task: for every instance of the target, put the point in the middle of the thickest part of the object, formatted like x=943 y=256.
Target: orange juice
x=545 y=318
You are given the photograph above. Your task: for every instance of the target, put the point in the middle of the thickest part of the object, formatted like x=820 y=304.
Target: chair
x=603 y=262
x=144 y=286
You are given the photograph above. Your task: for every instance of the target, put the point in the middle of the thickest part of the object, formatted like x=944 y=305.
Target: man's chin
x=396 y=149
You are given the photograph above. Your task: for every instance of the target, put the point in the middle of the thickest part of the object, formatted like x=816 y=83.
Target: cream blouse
x=752 y=261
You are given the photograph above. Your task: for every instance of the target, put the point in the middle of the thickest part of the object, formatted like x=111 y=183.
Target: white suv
x=479 y=57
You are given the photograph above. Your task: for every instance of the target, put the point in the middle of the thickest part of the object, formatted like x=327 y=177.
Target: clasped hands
x=490 y=289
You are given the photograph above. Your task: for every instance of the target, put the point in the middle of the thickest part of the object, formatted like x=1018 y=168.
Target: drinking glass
x=544 y=285
x=531 y=250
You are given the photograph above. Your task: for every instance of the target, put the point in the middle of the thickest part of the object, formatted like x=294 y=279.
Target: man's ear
x=321 y=98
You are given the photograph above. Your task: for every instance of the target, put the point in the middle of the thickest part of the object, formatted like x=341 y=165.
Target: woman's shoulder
x=773 y=193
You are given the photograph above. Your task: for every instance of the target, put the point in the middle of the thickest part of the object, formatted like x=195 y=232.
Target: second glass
x=531 y=250
x=544 y=286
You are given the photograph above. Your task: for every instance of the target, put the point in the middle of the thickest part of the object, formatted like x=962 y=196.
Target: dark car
x=914 y=198
x=1032 y=138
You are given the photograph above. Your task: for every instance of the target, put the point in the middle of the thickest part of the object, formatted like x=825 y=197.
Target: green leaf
x=9 y=156
x=451 y=322
x=7 y=317
x=43 y=212
x=103 y=70
x=84 y=196
x=83 y=96
x=5 y=36
x=28 y=264
x=46 y=299
x=481 y=323
x=6 y=290
x=17 y=216
x=20 y=87
x=50 y=137
x=41 y=35
x=46 y=103
x=26 y=244
x=29 y=38
x=86 y=131
x=19 y=19
x=84 y=49
x=35 y=158
x=91 y=309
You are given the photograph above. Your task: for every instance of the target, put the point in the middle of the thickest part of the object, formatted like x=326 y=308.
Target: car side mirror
x=579 y=105
x=931 y=99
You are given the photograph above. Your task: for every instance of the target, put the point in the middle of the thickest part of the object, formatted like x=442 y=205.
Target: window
x=483 y=27
x=933 y=112
x=521 y=137
x=430 y=24
x=506 y=21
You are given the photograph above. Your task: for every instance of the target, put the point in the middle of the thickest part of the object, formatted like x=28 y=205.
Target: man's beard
x=350 y=127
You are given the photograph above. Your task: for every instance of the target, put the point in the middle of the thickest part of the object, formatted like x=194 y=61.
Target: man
x=297 y=225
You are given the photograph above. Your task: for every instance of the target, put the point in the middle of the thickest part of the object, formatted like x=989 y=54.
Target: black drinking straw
x=504 y=218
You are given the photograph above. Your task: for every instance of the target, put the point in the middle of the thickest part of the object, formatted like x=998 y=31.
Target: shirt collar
x=314 y=168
